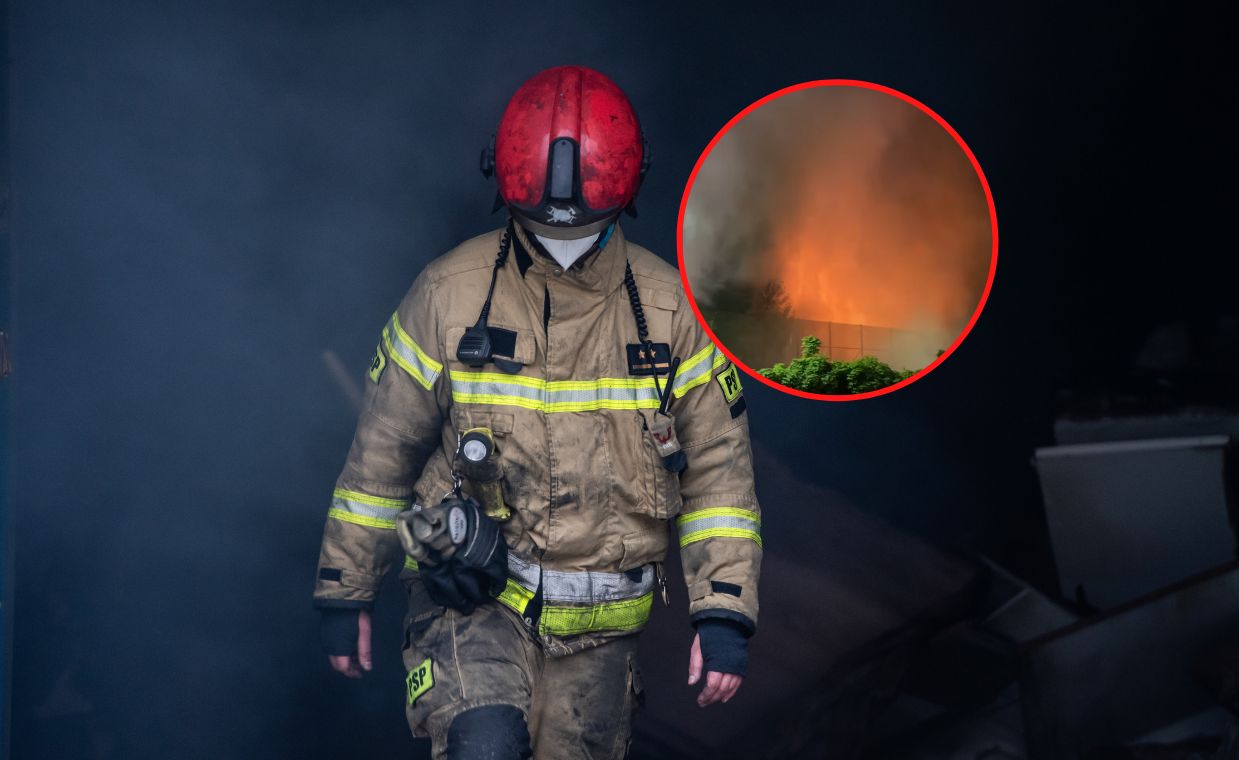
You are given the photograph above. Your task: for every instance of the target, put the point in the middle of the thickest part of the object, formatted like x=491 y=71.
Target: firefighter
x=576 y=354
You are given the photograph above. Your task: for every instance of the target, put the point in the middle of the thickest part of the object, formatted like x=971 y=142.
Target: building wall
x=762 y=342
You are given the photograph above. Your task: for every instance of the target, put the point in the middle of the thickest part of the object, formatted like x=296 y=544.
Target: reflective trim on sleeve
x=410 y=356
x=728 y=522
x=697 y=369
x=364 y=509
x=541 y=395
x=410 y=563
x=369 y=522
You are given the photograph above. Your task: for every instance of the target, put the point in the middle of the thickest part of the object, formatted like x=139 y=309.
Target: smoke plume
x=862 y=206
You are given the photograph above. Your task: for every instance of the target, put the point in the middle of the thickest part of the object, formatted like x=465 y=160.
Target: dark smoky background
x=209 y=201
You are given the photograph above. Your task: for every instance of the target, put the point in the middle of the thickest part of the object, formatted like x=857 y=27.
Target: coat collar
x=599 y=269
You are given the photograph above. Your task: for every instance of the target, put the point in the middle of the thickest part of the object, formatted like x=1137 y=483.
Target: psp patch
x=377 y=365
x=729 y=381
x=420 y=680
x=643 y=360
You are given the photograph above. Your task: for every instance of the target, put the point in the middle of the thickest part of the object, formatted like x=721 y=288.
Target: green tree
x=868 y=374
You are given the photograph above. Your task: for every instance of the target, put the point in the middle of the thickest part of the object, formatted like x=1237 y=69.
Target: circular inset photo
x=837 y=239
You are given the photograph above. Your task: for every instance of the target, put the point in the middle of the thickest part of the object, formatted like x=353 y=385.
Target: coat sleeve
x=720 y=522
x=400 y=426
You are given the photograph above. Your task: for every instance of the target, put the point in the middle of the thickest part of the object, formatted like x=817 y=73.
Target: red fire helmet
x=569 y=154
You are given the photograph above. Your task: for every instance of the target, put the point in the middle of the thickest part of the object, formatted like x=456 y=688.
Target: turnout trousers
x=573 y=706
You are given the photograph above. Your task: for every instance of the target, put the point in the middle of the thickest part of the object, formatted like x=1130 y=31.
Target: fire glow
x=860 y=205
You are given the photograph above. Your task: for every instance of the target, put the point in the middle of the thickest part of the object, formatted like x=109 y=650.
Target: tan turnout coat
x=591 y=495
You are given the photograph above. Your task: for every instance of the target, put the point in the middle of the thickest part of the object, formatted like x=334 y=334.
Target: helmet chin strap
x=566 y=252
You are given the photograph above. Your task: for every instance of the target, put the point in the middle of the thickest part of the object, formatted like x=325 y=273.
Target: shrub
x=814 y=373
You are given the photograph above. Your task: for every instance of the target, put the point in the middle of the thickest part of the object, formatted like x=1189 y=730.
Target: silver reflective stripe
x=697 y=369
x=719 y=522
x=364 y=509
x=595 y=587
x=726 y=521
x=524 y=573
x=559 y=586
x=406 y=353
x=578 y=395
x=555 y=395
x=488 y=387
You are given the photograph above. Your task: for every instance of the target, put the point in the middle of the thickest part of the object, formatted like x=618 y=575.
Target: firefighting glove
x=338 y=631
x=473 y=569
x=724 y=646
x=454 y=585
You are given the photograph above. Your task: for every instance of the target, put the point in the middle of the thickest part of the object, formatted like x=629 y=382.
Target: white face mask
x=566 y=252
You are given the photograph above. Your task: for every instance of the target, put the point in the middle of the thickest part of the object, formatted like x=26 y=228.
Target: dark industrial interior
x=208 y=211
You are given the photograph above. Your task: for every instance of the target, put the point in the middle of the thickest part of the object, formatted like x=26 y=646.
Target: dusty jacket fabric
x=589 y=489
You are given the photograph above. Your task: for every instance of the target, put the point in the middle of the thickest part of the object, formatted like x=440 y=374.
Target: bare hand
x=353 y=665
x=720 y=687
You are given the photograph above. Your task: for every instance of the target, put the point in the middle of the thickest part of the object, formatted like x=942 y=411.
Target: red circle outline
x=976 y=165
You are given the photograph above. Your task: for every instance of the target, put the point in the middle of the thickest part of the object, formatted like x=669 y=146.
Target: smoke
x=220 y=205
x=862 y=206
x=209 y=197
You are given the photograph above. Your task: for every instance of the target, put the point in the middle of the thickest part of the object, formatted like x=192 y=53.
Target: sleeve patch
x=729 y=381
x=377 y=365
x=719 y=587
x=330 y=574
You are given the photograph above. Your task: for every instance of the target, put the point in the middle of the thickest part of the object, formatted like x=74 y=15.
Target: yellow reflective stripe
x=554 y=406
x=404 y=363
x=375 y=501
x=552 y=385
x=408 y=355
x=602 y=403
x=729 y=522
x=554 y=396
x=620 y=603
x=516 y=596
x=534 y=393
x=701 y=535
x=687 y=365
x=496 y=377
x=690 y=375
x=370 y=522
x=490 y=398
x=364 y=509
x=409 y=563
x=610 y=616
x=603 y=382
x=434 y=366
x=701 y=514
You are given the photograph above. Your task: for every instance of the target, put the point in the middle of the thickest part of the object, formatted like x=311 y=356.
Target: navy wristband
x=339 y=631
x=724 y=646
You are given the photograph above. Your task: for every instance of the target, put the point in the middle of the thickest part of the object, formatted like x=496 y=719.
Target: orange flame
x=869 y=244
